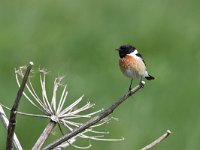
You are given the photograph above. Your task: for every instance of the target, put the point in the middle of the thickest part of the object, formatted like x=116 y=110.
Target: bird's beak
x=117 y=49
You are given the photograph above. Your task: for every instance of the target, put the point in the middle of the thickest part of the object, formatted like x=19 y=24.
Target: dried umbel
x=56 y=110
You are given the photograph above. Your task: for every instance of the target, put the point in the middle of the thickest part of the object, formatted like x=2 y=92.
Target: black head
x=125 y=49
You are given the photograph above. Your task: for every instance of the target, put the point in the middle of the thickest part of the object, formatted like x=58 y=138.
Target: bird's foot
x=142 y=83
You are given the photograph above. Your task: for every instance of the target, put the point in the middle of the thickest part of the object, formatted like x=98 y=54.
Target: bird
x=132 y=64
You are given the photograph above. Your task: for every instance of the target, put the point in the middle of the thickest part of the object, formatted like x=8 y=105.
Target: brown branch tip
x=157 y=141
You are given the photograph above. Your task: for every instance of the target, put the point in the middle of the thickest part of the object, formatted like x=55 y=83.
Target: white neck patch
x=134 y=53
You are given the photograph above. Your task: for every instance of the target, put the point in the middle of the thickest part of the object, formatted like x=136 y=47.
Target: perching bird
x=132 y=64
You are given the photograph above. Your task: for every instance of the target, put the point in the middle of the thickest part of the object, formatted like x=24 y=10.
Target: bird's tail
x=149 y=77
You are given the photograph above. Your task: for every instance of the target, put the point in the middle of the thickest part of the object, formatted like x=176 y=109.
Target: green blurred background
x=78 y=38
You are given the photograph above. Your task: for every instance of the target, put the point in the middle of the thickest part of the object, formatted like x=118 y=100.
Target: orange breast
x=133 y=64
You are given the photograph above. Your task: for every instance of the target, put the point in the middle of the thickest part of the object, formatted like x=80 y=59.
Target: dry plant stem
x=6 y=122
x=94 y=120
x=44 y=135
x=13 y=114
x=157 y=141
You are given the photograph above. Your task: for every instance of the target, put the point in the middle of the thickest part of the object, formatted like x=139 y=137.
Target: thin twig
x=26 y=114
x=13 y=114
x=5 y=121
x=157 y=141
x=96 y=119
x=44 y=135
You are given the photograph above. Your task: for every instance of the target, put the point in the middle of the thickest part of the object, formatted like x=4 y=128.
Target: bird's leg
x=140 y=79
x=130 y=85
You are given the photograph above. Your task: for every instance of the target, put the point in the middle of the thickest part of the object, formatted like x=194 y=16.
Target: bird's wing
x=139 y=55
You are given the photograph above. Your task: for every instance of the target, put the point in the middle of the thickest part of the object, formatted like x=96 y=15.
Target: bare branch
x=157 y=141
x=6 y=122
x=44 y=135
x=13 y=114
x=96 y=119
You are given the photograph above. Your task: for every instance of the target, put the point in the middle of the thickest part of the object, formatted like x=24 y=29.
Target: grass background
x=78 y=38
